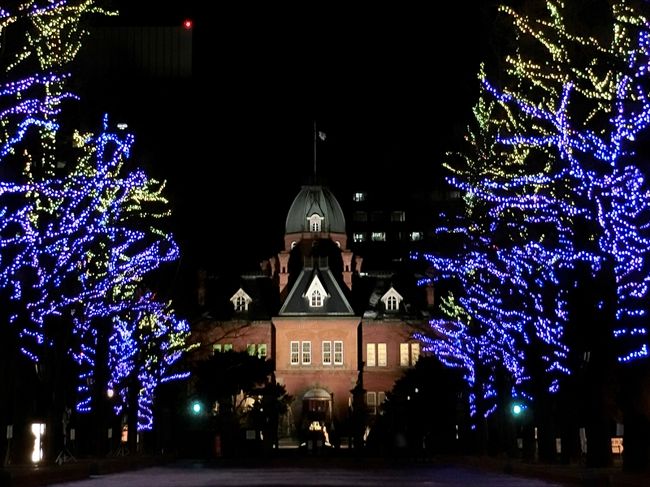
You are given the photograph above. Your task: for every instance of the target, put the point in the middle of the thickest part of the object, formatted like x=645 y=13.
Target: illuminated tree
x=79 y=229
x=146 y=342
x=551 y=188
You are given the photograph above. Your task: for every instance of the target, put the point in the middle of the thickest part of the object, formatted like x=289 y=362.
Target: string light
x=76 y=247
x=535 y=169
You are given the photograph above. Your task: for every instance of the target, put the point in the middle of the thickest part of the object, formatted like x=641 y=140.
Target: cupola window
x=315 y=223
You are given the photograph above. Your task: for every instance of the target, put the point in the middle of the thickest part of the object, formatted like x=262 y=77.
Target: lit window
x=316 y=299
x=250 y=348
x=360 y=216
x=381 y=354
x=261 y=350
x=338 y=353
x=216 y=348
x=306 y=353
x=416 y=236
x=327 y=353
x=391 y=303
x=371 y=402
x=359 y=237
x=295 y=353
x=359 y=197
x=378 y=236
x=370 y=355
x=404 y=354
x=227 y=347
x=398 y=216
x=409 y=353
x=415 y=353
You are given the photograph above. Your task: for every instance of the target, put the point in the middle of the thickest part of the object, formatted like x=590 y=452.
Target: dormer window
x=392 y=300
x=315 y=223
x=316 y=300
x=316 y=294
x=240 y=300
x=240 y=304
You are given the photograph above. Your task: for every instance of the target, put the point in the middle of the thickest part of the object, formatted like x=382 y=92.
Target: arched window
x=391 y=303
x=315 y=223
x=240 y=303
x=316 y=299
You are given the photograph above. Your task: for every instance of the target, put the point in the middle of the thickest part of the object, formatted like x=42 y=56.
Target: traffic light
x=517 y=409
x=196 y=408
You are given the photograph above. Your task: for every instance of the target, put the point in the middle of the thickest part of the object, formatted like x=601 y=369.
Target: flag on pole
x=322 y=135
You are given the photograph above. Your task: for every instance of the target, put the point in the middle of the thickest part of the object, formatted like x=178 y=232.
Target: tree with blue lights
x=79 y=230
x=554 y=198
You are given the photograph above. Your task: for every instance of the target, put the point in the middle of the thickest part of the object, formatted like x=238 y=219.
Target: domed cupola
x=315 y=215
x=315 y=210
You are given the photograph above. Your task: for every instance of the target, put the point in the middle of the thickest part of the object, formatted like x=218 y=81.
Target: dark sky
x=391 y=84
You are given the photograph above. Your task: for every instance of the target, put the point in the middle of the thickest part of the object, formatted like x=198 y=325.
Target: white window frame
x=381 y=355
x=315 y=223
x=316 y=299
x=381 y=398
x=371 y=402
x=305 y=353
x=392 y=303
x=294 y=353
x=338 y=354
x=378 y=236
x=327 y=353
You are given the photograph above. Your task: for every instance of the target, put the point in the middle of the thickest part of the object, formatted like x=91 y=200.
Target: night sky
x=391 y=85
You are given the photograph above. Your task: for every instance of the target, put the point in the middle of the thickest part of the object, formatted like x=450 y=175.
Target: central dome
x=311 y=201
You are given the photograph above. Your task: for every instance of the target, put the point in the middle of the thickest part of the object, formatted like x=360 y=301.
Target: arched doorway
x=317 y=417
x=317 y=407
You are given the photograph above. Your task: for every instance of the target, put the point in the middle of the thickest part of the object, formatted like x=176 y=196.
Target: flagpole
x=315 y=139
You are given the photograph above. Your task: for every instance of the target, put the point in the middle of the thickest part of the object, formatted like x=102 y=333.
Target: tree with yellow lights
x=554 y=200
x=79 y=231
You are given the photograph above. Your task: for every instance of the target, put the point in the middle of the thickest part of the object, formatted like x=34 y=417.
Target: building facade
x=332 y=330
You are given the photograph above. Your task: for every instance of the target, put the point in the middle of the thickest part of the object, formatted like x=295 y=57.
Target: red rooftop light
x=187 y=23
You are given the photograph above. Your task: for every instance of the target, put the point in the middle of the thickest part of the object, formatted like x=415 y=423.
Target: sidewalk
x=41 y=475
x=577 y=475
x=564 y=474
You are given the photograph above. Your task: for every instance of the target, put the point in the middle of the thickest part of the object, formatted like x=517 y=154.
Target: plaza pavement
x=298 y=468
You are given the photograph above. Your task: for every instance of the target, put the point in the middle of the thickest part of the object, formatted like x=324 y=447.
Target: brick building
x=328 y=324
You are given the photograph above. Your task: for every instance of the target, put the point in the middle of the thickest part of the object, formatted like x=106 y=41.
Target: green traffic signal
x=196 y=407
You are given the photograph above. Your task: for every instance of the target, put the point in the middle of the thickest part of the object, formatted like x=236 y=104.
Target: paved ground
x=296 y=469
x=195 y=476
